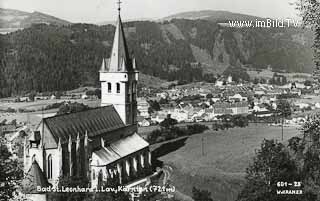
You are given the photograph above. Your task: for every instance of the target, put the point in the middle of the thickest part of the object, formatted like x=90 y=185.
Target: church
x=100 y=144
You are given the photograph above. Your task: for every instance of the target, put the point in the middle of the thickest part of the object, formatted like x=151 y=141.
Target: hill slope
x=19 y=19
x=182 y=49
x=212 y=15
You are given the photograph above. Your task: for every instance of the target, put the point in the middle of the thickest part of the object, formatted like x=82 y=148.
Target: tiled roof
x=95 y=121
x=35 y=177
x=230 y=105
x=121 y=148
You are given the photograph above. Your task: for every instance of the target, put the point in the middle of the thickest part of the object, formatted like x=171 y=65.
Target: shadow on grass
x=165 y=149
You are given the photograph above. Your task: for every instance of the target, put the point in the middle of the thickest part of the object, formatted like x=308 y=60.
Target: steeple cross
x=119 y=6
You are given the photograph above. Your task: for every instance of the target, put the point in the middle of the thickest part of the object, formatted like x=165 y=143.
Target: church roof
x=95 y=121
x=120 y=149
x=35 y=177
x=120 y=60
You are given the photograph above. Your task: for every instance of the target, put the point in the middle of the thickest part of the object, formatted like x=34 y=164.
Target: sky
x=95 y=11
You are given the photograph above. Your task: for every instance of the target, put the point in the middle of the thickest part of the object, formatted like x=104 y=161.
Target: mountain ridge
x=180 y=49
x=218 y=16
x=11 y=18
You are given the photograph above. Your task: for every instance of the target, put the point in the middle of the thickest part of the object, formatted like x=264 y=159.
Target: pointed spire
x=78 y=155
x=70 y=157
x=59 y=144
x=78 y=137
x=134 y=65
x=102 y=142
x=78 y=142
x=119 y=59
x=60 y=157
x=119 y=6
x=103 y=65
x=86 y=168
x=70 y=144
x=86 y=139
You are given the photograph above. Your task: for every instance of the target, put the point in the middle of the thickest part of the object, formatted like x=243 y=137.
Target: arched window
x=134 y=87
x=33 y=158
x=100 y=178
x=109 y=87
x=93 y=174
x=49 y=167
x=118 y=88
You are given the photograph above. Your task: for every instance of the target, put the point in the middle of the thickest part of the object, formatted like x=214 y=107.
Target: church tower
x=118 y=77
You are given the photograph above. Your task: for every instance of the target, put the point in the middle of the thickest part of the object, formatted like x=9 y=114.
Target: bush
x=70 y=107
x=158 y=135
x=10 y=110
x=54 y=106
x=197 y=128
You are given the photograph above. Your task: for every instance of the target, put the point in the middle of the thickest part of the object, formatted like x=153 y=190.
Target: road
x=167 y=170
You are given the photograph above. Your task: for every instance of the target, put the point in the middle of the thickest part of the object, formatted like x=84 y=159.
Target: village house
x=231 y=108
x=143 y=107
x=180 y=115
x=238 y=97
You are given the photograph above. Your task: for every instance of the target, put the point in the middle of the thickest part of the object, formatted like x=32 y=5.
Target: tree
x=196 y=128
x=201 y=195
x=96 y=92
x=240 y=121
x=307 y=153
x=163 y=101
x=271 y=164
x=310 y=12
x=284 y=108
x=10 y=173
x=72 y=107
x=307 y=83
x=168 y=122
x=3 y=122
x=73 y=181
x=154 y=106
x=58 y=94
x=209 y=96
x=32 y=95
x=13 y=122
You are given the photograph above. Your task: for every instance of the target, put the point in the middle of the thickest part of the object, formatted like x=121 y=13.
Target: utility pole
x=202 y=145
x=282 y=128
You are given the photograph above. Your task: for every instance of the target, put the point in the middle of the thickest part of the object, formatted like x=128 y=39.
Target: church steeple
x=119 y=60
x=119 y=77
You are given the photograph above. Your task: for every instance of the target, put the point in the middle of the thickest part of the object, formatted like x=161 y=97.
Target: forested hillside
x=51 y=58
x=10 y=18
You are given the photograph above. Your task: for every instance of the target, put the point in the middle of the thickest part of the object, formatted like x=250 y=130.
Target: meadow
x=34 y=118
x=217 y=160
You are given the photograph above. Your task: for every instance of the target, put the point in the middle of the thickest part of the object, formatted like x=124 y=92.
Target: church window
x=118 y=87
x=134 y=87
x=109 y=87
x=33 y=158
x=93 y=174
x=134 y=91
x=49 y=167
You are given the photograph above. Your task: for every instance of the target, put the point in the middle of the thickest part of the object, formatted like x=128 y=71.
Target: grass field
x=39 y=104
x=33 y=118
x=227 y=154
